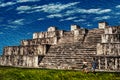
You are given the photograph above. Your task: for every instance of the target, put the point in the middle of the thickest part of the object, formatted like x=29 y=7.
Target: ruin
x=59 y=49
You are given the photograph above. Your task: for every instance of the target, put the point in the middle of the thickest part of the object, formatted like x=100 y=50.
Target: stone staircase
x=71 y=55
x=93 y=37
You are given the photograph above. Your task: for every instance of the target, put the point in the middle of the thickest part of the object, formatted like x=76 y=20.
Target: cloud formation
x=60 y=10
x=54 y=15
x=58 y=7
x=11 y=26
x=102 y=18
x=88 y=11
x=118 y=6
x=18 y=22
x=27 y=0
x=69 y=18
x=13 y=3
x=49 y=8
x=40 y=19
x=23 y=8
x=7 y=4
x=6 y=26
x=80 y=20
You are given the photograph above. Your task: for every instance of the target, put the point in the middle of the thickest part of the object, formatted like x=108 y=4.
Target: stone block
x=35 y=35
x=74 y=27
x=51 y=29
x=99 y=49
x=102 y=25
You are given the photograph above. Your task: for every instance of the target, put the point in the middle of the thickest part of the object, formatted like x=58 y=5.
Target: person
x=85 y=66
x=94 y=65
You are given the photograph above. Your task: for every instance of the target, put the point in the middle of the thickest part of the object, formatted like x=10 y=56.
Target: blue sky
x=19 y=19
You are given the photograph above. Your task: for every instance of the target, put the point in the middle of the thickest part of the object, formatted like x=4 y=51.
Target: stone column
x=35 y=61
x=119 y=63
x=106 y=63
x=116 y=63
x=99 y=63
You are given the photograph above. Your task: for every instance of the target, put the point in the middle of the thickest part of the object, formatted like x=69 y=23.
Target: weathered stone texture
x=20 y=60
x=59 y=49
x=111 y=38
x=39 y=41
x=51 y=29
x=47 y=34
x=25 y=50
x=102 y=25
x=74 y=27
x=67 y=56
x=108 y=49
x=112 y=30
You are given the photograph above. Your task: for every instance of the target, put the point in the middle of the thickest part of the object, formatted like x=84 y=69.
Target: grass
x=10 y=73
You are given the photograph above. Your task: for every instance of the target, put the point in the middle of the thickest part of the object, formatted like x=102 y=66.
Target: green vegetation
x=9 y=73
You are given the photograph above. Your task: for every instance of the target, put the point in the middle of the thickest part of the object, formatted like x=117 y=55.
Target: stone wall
x=19 y=60
x=26 y=56
x=110 y=38
x=108 y=49
x=25 y=50
x=112 y=30
x=110 y=44
x=51 y=29
x=56 y=37
x=108 y=63
x=39 y=41
x=74 y=27
x=102 y=25
x=47 y=34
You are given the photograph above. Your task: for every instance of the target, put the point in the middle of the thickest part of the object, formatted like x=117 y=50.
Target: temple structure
x=59 y=49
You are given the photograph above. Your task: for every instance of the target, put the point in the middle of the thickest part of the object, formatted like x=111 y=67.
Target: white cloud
x=118 y=6
x=118 y=13
x=23 y=8
x=88 y=11
x=54 y=15
x=80 y=20
x=102 y=18
x=20 y=12
x=94 y=11
x=89 y=24
x=18 y=1
x=18 y=22
x=104 y=11
x=9 y=26
x=69 y=18
x=48 y=8
x=7 y=4
x=58 y=9
x=27 y=0
x=55 y=8
x=40 y=19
